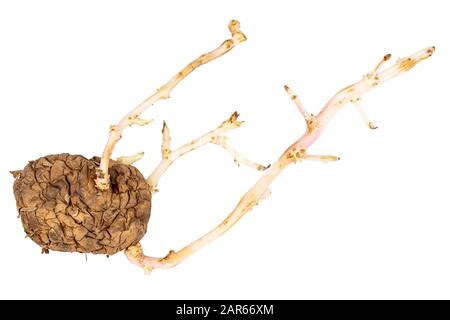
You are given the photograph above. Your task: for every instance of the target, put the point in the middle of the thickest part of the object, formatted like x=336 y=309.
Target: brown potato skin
x=62 y=210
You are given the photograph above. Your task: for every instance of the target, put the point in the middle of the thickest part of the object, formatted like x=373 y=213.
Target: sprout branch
x=295 y=152
x=133 y=117
x=215 y=136
x=130 y=159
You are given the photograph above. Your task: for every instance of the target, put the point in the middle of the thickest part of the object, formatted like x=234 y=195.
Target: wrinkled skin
x=62 y=210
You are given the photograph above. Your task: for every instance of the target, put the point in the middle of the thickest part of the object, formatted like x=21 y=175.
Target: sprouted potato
x=73 y=204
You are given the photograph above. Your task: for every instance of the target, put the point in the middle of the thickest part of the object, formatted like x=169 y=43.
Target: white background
x=373 y=225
